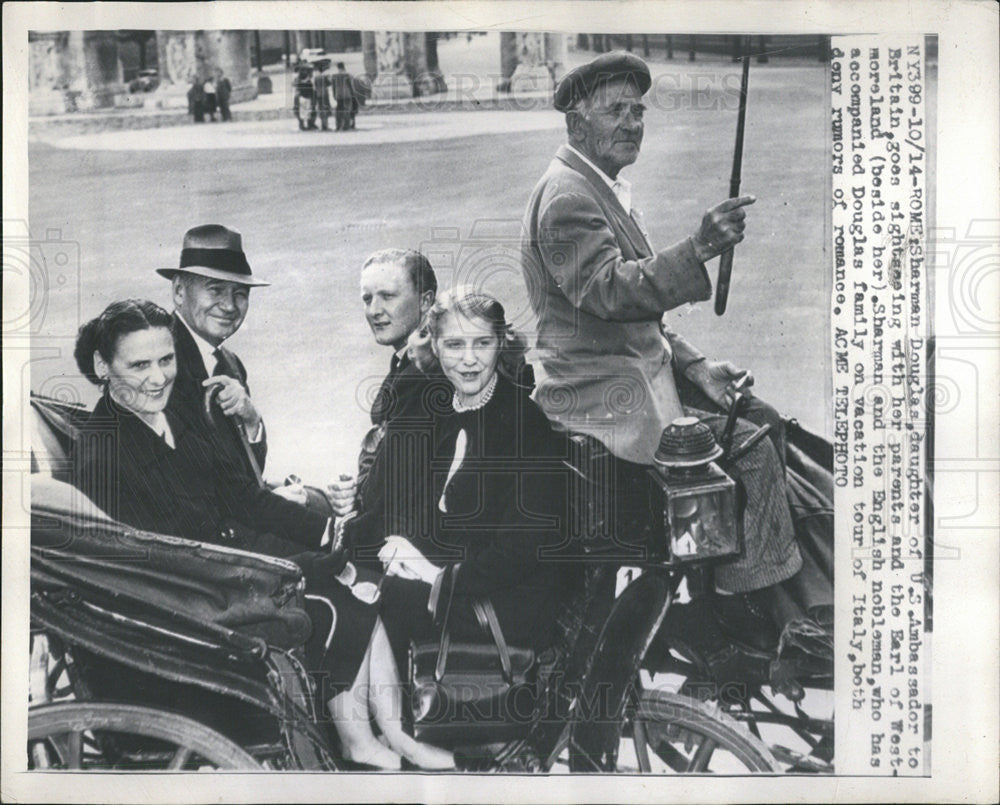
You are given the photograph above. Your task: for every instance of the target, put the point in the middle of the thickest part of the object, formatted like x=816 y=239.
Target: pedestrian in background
x=304 y=104
x=196 y=101
x=321 y=92
x=343 y=92
x=223 y=91
x=210 y=99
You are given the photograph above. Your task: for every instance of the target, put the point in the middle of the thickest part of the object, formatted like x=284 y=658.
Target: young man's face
x=609 y=130
x=213 y=308
x=393 y=307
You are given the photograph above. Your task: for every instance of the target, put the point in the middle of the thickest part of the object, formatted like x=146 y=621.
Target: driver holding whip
x=607 y=369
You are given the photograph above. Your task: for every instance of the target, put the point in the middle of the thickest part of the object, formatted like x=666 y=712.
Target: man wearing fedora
x=211 y=294
x=600 y=290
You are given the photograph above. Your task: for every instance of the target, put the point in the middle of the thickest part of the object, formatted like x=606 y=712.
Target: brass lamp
x=699 y=512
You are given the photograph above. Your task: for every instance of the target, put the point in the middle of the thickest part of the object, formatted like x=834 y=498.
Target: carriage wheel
x=76 y=735
x=673 y=734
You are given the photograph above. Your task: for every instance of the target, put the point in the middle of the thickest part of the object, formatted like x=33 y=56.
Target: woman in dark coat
x=497 y=496
x=491 y=498
x=149 y=468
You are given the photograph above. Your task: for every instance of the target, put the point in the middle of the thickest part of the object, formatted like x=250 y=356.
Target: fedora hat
x=216 y=252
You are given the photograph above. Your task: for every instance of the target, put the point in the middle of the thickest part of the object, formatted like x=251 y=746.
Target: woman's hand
x=401 y=558
x=293 y=492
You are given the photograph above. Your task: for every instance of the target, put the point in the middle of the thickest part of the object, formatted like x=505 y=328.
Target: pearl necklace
x=482 y=398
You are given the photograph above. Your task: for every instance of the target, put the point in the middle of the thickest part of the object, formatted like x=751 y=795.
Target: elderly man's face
x=609 y=128
x=213 y=308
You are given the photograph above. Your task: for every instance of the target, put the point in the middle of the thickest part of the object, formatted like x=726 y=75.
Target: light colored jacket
x=599 y=291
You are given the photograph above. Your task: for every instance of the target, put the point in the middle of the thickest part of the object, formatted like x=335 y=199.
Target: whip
x=726 y=261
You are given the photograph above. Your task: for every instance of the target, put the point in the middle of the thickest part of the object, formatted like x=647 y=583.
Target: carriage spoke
x=671 y=756
x=74 y=750
x=41 y=755
x=181 y=757
x=639 y=739
x=702 y=757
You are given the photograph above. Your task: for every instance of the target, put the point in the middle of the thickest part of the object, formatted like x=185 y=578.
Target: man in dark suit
x=342 y=88
x=223 y=91
x=600 y=291
x=398 y=287
x=211 y=294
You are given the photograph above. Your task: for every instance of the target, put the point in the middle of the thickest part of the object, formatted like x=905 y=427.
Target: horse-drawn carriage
x=152 y=652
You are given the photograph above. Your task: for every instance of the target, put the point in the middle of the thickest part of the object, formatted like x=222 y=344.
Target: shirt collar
x=397 y=359
x=161 y=427
x=622 y=188
x=206 y=350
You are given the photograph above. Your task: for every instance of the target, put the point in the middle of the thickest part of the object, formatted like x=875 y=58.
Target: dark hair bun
x=102 y=333
x=86 y=346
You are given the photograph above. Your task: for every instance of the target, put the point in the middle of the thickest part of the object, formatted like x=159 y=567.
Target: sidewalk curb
x=119 y=120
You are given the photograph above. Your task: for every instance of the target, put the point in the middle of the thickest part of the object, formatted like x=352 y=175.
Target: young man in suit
x=600 y=291
x=211 y=295
x=398 y=287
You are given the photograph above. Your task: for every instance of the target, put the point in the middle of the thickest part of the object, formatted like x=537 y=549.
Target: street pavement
x=372 y=129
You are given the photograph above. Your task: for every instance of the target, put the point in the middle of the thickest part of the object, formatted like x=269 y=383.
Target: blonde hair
x=472 y=304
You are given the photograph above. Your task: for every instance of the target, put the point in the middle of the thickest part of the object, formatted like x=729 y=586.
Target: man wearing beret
x=600 y=290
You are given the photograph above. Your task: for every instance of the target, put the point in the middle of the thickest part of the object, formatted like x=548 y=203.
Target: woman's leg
x=350 y=714
x=386 y=698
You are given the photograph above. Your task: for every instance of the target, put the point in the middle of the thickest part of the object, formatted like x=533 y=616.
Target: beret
x=582 y=81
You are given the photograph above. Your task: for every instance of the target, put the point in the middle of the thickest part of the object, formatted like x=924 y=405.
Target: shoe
x=744 y=619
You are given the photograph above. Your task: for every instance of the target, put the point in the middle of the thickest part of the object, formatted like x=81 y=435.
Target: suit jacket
x=342 y=86
x=599 y=291
x=409 y=395
x=321 y=91
x=196 y=490
x=405 y=411
x=188 y=396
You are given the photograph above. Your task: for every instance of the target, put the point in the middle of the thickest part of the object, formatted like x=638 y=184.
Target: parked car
x=145 y=81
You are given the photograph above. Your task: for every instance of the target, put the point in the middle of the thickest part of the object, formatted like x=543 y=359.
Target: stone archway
x=401 y=64
x=73 y=71
x=531 y=62
x=186 y=55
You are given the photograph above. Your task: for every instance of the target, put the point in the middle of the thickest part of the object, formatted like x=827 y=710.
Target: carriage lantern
x=699 y=514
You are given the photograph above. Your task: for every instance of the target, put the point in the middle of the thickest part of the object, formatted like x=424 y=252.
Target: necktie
x=222 y=364
x=383 y=400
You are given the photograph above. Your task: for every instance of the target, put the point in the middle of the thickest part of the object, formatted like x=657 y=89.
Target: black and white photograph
x=466 y=402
